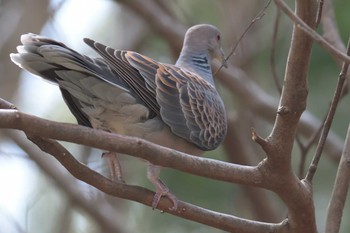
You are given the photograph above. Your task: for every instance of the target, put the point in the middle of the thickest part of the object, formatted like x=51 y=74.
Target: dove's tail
x=44 y=57
x=78 y=76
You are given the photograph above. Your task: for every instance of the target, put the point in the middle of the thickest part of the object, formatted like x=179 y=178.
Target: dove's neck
x=197 y=62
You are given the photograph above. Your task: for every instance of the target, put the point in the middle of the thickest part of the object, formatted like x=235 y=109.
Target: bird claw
x=163 y=191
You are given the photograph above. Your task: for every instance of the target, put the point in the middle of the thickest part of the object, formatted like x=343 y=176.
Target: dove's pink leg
x=114 y=166
x=161 y=189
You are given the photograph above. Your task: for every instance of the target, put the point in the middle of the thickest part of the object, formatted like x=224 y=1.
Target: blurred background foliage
x=31 y=200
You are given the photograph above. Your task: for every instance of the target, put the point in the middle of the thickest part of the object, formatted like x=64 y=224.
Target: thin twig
x=340 y=190
x=258 y=17
x=305 y=149
x=6 y=105
x=332 y=35
x=312 y=33
x=259 y=140
x=273 y=51
x=327 y=125
x=319 y=12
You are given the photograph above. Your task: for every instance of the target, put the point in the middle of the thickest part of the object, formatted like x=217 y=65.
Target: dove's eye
x=218 y=37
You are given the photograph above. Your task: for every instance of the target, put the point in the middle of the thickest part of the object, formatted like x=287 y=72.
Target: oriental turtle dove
x=176 y=106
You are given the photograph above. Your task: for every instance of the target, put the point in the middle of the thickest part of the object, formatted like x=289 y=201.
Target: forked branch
x=36 y=129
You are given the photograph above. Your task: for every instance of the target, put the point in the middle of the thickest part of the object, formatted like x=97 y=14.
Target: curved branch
x=13 y=119
x=142 y=195
x=34 y=126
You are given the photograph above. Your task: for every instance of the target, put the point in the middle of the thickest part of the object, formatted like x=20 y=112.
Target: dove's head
x=205 y=37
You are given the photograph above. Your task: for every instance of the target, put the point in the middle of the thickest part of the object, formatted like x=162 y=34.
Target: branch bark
x=340 y=190
x=34 y=126
x=13 y=119
x=297 y=195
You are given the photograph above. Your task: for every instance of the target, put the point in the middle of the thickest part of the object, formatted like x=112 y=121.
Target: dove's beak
x=220 y=56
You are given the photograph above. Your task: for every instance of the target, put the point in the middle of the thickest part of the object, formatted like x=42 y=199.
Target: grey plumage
x=176 y=106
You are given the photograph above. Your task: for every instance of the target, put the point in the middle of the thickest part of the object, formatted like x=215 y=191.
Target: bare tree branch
x=292 y=105
x=273 y=51
x=340 y=190
x=274 y=173
x=185 y=210
x=319 y=12
x=304 y=149
x=331 y=34
x=13 y=119
x=258 y=17
x=328 y=122
x=330 y=29
x=312 y=33
x=141 y=148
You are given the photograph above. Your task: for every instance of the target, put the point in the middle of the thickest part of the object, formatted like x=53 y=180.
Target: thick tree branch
x=99 y=139
x=13 y=119
x=297 y=195
x=294 y=93
x=273 y=173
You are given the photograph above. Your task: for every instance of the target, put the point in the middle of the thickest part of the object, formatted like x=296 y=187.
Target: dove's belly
x=132 y=120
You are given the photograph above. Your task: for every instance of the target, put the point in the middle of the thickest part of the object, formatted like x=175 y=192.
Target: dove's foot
x=161 y=189
x=114 y=166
